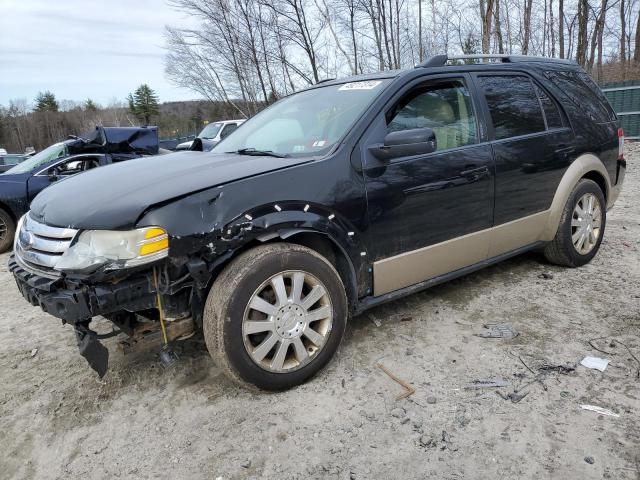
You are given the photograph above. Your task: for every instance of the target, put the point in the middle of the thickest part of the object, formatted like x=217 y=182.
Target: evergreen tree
x=471 y=46
x=143 y=103
x=90 y=106
x=46 y=102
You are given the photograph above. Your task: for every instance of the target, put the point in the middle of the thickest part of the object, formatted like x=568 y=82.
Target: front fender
x=213 y=226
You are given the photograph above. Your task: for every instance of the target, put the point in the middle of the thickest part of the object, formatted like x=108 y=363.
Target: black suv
x=335 y=199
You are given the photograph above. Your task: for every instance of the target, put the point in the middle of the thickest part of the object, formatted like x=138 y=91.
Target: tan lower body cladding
x=429 y=262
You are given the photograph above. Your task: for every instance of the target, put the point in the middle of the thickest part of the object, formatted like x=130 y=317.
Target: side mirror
x=53 y=174
x=405 y=143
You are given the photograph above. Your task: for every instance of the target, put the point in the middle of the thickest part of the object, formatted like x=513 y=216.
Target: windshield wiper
x=260 y=153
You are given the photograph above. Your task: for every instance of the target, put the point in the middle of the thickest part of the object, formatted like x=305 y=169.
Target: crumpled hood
x=114 y=197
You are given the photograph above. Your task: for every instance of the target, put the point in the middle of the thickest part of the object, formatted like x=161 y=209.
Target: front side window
x=446 y=108
x=76 y=165
x=228 y=129
x=210 y=131
x=513 y=105
x=308 y=123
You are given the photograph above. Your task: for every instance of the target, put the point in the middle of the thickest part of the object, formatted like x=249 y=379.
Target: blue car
x=105 y=145
x=8 y=161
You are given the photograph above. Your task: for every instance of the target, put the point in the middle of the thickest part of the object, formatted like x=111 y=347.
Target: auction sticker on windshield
x=366 y=85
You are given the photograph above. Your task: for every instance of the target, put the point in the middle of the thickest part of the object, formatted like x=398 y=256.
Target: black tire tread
x=556 y=250
x=222 y=291
x=7 y=242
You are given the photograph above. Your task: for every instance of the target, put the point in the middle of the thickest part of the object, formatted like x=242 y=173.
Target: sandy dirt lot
x=58 y=420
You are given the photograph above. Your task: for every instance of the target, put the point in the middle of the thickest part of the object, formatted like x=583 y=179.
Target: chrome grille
x=39 y=246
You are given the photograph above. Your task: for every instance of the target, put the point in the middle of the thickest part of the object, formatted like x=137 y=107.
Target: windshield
x=305 y=124
x=41 y=158
x=210 y=131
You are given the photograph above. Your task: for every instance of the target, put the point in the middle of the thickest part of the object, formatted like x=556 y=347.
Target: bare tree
x=582 y=43
x=526 y=22
x=486 y=15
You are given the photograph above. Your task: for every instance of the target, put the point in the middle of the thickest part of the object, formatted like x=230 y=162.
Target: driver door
x=430 y=213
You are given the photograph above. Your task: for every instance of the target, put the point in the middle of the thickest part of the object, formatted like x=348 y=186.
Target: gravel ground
x=58 y=420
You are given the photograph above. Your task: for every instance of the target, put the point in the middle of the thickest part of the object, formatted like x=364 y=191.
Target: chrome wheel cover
x=287 y=321
x=586 y=223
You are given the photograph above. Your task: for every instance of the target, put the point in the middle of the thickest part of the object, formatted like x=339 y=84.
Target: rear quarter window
x=513 y=105
x=583 y=92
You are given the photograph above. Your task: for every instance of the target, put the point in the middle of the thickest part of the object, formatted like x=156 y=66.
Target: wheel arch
x=585 y=166
x=10 y=212
x=312 y=226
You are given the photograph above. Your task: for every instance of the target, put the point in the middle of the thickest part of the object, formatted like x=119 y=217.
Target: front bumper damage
x=77 y=303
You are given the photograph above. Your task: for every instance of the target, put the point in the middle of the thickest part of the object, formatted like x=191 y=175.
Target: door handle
x=475 y=172
x=565 y=150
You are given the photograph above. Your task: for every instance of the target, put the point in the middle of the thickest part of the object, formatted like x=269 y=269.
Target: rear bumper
x=74 y=303
x=617 y=188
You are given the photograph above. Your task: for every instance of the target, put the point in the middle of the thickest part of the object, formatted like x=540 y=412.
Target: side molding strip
x=409 y=268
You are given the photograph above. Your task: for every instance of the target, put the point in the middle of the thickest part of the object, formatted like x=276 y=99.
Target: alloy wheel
x=586 y=223
x=287 y=321
x=3 y=230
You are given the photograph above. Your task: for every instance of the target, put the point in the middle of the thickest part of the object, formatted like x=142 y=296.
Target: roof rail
x=441 y=60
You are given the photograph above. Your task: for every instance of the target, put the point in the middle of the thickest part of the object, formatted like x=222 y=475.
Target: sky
x=79 y=49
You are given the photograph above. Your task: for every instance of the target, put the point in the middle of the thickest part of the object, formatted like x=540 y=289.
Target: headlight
x=95 y=248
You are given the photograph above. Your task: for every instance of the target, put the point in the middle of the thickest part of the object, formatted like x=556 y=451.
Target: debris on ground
x=514 y=396
x=612 y=344
x=488 y=383
x=565 y=369
x=589 y=460
x=599 y=410
x=595 y=363
x=409 y=390
x=498 y=330
x=376 y=322
x=546 y=275
x=34 y=352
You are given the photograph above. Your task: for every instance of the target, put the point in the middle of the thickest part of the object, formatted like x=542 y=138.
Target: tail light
x=620 y=144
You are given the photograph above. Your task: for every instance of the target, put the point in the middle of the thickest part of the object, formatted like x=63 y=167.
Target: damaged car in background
x=333 y=200
x=20 y=184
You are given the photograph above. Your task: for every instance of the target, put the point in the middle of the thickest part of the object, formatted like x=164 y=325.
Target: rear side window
x=551 y=112
x=583 y=93
x=513 y=104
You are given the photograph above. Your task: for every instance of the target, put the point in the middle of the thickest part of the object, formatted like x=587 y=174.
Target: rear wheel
x=7 y=231
x=581 y=227
x=275 y=316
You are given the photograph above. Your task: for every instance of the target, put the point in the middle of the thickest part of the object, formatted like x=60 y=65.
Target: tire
x=7 y=231
x=561 y=250
x=229 y=317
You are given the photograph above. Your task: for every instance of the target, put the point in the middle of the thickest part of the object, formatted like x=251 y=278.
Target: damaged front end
x=134 y=286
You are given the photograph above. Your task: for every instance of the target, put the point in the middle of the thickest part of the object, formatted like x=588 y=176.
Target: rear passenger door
x=532 y=145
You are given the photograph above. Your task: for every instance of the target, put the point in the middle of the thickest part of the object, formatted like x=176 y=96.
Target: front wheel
x=275 y=316
x=7 y=231
x=581 y=227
